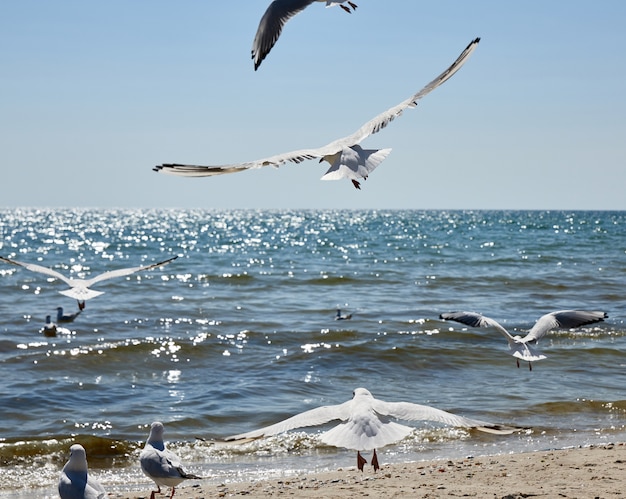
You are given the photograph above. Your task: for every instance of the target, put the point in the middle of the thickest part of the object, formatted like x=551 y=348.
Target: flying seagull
x=523 y=348
x=366 y=423
x=160 y=464
x=346 y=157
x=79 y=288
x=75 y=482
x=275 y=17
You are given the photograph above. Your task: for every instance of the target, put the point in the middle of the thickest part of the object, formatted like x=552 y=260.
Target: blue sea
x=239 y=332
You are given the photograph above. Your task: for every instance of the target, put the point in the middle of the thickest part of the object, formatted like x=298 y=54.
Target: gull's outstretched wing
x=476 y=320
x=38 y=268
x=123 y=272
x=313 y=417
x=330 y=150
x=379 y=122
x=271 y=26
x=417 y=412
x=565 y=319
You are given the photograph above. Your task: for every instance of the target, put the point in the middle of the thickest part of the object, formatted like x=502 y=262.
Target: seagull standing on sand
x=61 y=317
x=523 y=348
x=346 y=157
x=161 y=465
x=75 y=482
x=79 y=288
x=275 y=17
x=366 y=423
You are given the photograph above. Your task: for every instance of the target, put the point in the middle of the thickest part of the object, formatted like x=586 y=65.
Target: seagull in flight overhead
x=275 y=17
x=346 y=157
x=75 y=482
x=79 y=288
x=366 y=423
x=523 y=348
x=160 y=464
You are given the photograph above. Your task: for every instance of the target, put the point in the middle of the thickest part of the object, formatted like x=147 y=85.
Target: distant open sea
x=239 y=332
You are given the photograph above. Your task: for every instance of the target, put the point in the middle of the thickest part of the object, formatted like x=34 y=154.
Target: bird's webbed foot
x=360 y=461
x=375 y=461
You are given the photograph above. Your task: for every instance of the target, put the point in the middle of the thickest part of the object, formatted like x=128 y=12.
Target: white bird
x=79 y=288
x=366 y=423
x=275 y=17
x=75 y=482
x=523 y=348
x=161 y=465
x=49 y=328
x=346 y=157
x=61 y=317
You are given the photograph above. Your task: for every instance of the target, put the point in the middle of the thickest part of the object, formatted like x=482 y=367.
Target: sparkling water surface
x=239 y=332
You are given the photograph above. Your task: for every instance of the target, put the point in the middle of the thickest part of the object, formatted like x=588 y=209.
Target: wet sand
x=589 y=472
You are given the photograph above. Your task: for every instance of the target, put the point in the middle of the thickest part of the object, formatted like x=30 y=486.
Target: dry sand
x=590 y=472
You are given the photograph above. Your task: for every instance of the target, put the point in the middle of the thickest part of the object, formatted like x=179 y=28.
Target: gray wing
x=123 y=272
x=379 y=122
x=475 y=320
x=565 y=319
x=314 y=417
x=271 y=26
x=38 y=268
x=416 y=412
x=372 y=126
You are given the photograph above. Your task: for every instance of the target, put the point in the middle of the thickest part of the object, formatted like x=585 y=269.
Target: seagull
x=346 y=157
x=61 y=317
x=74 y=482
x=79 y=288
x=49 y=328
x=340 y=317
x=366 y=423
x=524 y=347
x=275 y=17
x=161 y=465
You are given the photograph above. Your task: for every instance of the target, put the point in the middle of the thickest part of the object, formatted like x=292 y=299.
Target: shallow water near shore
x=239 y=332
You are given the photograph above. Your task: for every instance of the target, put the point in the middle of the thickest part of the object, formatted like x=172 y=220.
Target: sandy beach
x=589 y=472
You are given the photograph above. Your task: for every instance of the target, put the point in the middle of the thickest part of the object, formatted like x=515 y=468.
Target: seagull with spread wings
x=79 y=288
x=346 y=157
x=523 y=348
x=275 y=17
x=366 y=423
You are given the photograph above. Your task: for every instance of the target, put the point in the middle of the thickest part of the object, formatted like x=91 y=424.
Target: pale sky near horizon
x=94 y=94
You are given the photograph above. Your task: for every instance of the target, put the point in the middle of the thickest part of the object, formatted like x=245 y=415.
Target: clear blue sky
x=93 y=94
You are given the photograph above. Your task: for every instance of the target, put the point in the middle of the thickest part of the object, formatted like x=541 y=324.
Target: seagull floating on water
x=275 y=17
x=49 y=328
x=344 y=317
x=523 y=348
x=160 y=464
x=346 y=157
x=366 y=423
x=75 y=482
x=61 y=317
x=79 y=288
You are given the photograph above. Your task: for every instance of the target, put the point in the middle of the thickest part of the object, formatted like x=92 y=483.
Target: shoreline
x=597 y=471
